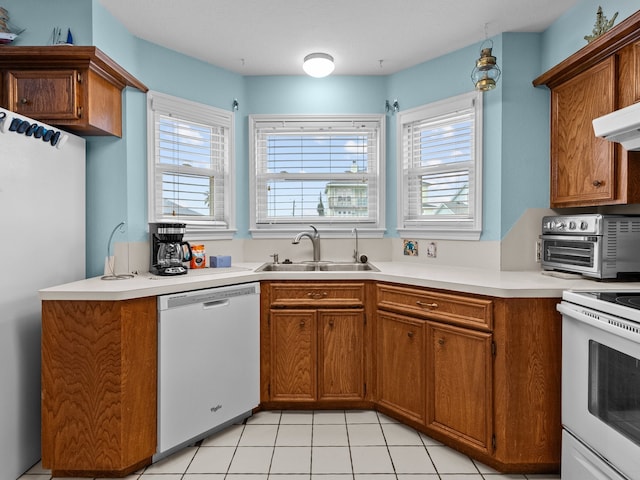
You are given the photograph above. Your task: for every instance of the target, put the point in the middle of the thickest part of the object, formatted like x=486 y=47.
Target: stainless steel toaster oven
x=594 y=245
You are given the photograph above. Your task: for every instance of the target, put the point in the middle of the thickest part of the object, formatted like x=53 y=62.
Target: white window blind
x=189 y=162
x=316 y=170
x=441 y=167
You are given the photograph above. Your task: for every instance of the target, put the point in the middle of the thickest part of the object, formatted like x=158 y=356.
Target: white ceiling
x=271 y=37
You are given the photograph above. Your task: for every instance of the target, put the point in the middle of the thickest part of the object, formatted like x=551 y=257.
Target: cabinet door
x=401 y=365
x=459 y=384
x=582 y=166
x=341 y=354
x=51 y=95
x=293 y=355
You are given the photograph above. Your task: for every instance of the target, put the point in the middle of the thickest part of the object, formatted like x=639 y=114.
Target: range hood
x=621 y=126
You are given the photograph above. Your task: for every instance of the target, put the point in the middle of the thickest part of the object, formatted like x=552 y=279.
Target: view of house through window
x=327 y=156
x=316 y=170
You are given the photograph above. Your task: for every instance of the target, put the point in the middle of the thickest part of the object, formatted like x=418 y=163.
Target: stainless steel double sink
x=317 y=267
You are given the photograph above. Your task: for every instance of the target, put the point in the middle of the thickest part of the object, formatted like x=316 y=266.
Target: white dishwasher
x=208 y=362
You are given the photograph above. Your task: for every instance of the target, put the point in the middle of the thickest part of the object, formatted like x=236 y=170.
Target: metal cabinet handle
x=317 y=295
x=441 y=341
x=24 y=101
x=597 y=183
x=302 y=323
x=427 y=305
x=331 y=323
x=410 y=334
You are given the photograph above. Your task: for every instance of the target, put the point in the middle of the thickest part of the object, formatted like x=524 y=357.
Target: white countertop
x=468 y=280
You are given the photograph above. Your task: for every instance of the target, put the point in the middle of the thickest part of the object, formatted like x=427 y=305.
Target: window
x=190 y=149
x=440 y=147
x=320 y=170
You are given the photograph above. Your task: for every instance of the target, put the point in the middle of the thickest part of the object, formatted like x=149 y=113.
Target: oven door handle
x=614 y=325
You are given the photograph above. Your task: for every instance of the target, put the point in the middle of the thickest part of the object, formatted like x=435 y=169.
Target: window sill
x=198 y=233
x=439 y=234
x=329 y=231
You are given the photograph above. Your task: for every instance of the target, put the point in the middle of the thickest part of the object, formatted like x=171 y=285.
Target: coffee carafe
x=168 y=249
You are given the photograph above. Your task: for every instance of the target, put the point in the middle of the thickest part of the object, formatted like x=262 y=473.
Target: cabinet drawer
x=466 y=311
x=317 y=294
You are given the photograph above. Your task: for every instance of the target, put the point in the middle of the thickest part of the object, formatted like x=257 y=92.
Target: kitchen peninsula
x=477 y=353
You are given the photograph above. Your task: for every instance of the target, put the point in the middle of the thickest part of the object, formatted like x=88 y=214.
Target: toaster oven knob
x=560 y=226
x=572 y=225
x=584 y=225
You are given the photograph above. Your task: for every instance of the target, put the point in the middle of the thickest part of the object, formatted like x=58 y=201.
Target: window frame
x=437 y=227
x=190 y=111
x=336 y=228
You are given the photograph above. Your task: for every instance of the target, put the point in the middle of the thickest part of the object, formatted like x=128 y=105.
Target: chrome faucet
x=315 y=240
x=355 y=251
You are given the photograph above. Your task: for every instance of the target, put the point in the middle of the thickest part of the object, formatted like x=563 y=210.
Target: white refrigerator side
x=42 y=240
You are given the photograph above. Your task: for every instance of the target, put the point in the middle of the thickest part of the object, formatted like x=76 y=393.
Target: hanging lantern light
x=486 y=72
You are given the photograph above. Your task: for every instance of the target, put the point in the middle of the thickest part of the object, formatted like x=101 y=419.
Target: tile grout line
x=346 y=427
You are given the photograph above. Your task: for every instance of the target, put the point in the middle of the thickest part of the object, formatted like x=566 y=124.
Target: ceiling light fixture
x=318 y=64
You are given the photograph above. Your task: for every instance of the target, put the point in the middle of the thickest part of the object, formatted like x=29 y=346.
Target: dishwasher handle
x=216 y=304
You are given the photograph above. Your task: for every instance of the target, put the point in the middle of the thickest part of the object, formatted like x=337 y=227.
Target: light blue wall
x=566 y=35
x=524 y=135
x=39 y=17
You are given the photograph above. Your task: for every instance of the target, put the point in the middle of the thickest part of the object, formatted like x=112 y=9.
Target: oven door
x=572 y=253
x=601 y=385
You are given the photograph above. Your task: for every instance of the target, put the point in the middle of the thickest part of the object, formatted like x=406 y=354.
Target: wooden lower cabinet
x=341 y=355
x=401 y=365
x=313 y=344
x=459 y=367
x=485 y=370
x=99 y=380
x=293 y=355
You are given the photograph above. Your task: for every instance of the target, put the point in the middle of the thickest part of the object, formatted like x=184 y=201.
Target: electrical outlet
x=538 y=251
x=432 y=250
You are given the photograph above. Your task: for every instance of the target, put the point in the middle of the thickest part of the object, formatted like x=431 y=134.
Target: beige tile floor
x=316 y=445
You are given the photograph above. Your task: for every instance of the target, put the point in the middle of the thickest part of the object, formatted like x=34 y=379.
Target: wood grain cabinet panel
x=582 y=165
x=340 y=354
x=39 y=93
x=99 y=380
x=465 y=310
x=401 y=365
x=317 y=294
x=293 y=355
x=460 y=384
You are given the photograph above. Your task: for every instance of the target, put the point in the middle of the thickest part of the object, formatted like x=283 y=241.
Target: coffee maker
x=168 y=251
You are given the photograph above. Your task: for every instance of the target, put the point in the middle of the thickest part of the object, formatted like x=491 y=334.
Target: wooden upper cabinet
x=582 y=165
x=78 y=89
x=601 y=77
x=38 y=93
